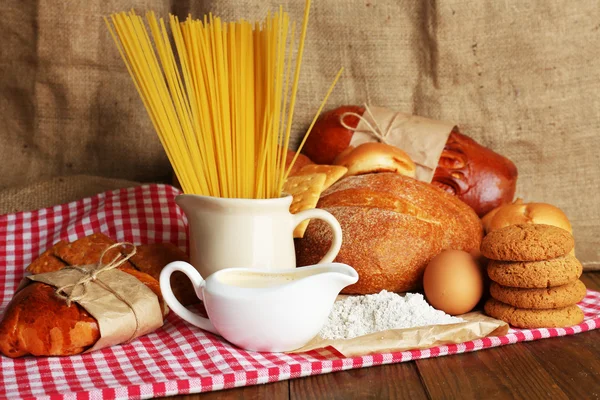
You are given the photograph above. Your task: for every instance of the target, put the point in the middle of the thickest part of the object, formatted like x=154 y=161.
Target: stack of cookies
x=535 y=278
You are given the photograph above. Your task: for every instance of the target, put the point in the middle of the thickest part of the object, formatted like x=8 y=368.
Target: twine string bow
x=374 y=129
x=91 y=274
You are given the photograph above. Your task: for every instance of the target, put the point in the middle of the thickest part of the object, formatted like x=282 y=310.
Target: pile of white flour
x=360 y=315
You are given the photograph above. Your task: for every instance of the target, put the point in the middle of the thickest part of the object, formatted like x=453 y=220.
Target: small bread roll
x=376 y=157
x=525 y=213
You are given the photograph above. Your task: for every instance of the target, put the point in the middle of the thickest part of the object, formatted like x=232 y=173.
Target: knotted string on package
x=91 y=274
x=375 y=131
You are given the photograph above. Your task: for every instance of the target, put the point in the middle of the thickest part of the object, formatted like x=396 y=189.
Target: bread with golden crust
x=525 y=213
x=39 y=323
x=392 y=227
x=475 y=174
x=376 y=157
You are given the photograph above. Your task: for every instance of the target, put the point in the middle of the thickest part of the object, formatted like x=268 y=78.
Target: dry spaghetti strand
x=221 y=96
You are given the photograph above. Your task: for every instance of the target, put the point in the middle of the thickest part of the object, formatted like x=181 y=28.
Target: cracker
x=305 y=190
x=333 y=173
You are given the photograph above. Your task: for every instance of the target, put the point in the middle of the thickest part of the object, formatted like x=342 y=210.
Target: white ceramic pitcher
x=250 y=233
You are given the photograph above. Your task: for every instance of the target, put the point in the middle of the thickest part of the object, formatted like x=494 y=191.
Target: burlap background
x=520 y=76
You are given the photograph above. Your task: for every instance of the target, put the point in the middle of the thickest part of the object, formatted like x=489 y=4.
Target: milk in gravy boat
x=270 y=311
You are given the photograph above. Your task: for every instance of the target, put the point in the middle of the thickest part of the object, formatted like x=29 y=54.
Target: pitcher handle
x=336 y=243
x=174 y=304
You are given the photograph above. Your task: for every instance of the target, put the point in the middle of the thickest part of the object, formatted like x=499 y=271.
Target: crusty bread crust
x=392 y=227
x=39 y=323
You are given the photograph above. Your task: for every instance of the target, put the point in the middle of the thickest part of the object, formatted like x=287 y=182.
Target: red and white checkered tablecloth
x=178 y=358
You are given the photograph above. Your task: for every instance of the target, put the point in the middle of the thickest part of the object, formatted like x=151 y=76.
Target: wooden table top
x=557 y=368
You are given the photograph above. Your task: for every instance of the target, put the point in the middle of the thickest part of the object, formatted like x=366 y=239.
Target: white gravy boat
x=259 y=310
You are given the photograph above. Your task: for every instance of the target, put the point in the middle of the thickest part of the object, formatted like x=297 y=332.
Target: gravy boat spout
x=329 y=277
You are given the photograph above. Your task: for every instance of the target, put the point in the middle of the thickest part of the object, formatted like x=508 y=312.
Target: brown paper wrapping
x=421 y=138
x=476 y=326
x=116 y=320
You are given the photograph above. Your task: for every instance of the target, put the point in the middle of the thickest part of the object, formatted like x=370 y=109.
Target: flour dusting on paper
x=361 y=315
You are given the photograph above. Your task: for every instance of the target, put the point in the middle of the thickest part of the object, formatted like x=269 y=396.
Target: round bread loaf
x=392 y=227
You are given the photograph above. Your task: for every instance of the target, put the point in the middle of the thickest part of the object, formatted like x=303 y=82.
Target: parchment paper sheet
x=476 y=326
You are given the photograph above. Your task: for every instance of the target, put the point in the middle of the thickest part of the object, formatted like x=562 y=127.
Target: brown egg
x=453 y=282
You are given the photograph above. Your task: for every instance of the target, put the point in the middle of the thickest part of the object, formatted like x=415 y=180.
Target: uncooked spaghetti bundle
x=221 y=98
